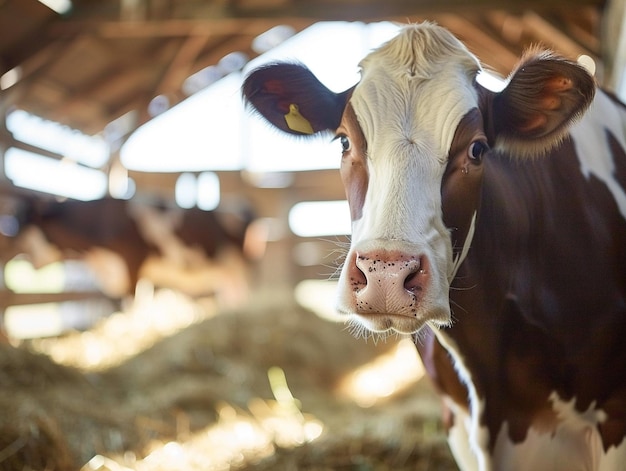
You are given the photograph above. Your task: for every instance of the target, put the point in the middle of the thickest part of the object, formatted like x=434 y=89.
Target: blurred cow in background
x=194 y=251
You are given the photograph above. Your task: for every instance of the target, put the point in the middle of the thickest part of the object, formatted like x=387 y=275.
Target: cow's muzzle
x=388 y=282
x=392 y=288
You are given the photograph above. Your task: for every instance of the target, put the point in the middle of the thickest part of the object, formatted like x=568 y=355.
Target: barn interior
x=226 y=355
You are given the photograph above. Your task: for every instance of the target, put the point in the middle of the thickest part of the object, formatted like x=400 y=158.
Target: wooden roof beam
x=583 y=26
x=550 y=35
x=182 y=64
x=486 y=47
x=172 y=28
x=373 y=9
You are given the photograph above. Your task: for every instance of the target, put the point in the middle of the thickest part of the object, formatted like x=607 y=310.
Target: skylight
x=320 y=218
x=202 y=132
x=64 y=176
x=57 y=138
x=211 y=130
x=202 y=191
x=58 y=177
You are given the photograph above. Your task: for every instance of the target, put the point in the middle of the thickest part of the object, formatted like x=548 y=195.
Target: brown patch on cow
x=541 y=320
x=354 y=174
x=460 y=188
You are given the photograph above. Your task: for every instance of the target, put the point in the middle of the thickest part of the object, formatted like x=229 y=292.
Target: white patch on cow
x=468 y=439
x=574 y=445
x=592 y=147
x=32 y=241
x=110 y=271
x=409 y=103
x=413 y=93
x=458 y=437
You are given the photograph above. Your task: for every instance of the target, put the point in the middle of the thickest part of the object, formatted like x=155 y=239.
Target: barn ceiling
x=106 y=58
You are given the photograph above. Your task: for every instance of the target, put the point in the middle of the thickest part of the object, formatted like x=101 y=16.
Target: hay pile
x=252 y=389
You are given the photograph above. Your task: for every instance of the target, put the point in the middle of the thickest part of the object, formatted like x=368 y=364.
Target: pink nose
x=388 y=282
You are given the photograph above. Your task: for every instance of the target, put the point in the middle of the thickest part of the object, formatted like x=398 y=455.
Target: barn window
x=22 y=277
x=57 y=138
x=208 y=191
x=54 y=158
x=320 y=218
x=202 y=191
x=185 y=190
x=59 y=177
x=43 y=319
x=202 y=132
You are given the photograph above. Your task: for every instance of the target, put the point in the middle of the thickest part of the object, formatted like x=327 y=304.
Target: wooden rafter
x=181 y=66
x=165 y=48
x=485 y=46
x=548 y=33
x=174 y=27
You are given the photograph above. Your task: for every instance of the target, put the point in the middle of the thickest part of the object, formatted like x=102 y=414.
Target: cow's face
x=415 y=133
x=396 y=134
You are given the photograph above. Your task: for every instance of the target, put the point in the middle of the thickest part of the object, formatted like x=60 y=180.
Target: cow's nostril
x=358 y=278
x=388 y=281
x=414 y=281
x=411 y=282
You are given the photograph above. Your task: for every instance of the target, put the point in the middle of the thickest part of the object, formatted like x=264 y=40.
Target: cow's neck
x=534 y=247
x=525 y=286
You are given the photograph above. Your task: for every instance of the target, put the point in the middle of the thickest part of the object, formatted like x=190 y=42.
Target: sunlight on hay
x=152 y=317
x=385 y=376
x=236 y=438
x=319 y=296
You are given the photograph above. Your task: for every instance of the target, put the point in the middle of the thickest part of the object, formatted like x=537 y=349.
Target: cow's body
x=191 y=250
x=487 y=232
x=544 y=284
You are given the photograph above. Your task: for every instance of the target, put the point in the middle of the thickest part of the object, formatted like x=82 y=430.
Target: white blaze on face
x=413 y=93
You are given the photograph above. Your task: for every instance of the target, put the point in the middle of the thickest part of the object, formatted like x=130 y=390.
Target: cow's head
x=415 y=132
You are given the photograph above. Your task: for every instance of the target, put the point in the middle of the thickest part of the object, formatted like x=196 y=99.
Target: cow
x=194 y=251
x=489 y=226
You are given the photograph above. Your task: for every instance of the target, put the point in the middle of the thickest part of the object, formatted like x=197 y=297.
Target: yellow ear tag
x=297 y=122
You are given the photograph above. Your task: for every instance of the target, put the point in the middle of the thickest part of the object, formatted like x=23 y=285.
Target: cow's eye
x=345 y=143
x=476 y=151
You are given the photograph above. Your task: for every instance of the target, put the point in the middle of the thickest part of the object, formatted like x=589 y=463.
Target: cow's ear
x=544 y=96
x=291 y=98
